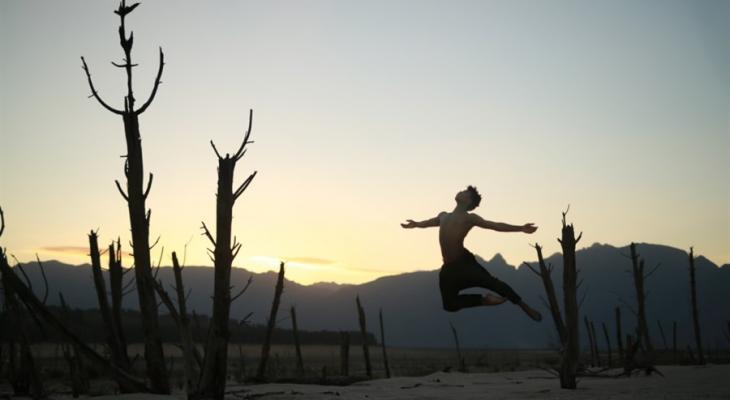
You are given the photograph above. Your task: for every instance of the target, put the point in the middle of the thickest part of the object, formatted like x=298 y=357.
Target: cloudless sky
x=366 y=114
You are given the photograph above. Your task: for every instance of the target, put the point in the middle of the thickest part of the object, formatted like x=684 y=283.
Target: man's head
x=469 y=198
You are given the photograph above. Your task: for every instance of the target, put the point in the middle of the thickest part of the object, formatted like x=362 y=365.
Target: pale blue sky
x=368 y=113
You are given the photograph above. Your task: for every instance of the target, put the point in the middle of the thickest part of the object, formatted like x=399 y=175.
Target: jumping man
x=460 y=269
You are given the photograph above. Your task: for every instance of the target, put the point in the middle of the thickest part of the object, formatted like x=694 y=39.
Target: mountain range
x=412 y=308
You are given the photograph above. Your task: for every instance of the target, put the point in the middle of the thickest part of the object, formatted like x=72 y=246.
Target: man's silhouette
x=460 y=269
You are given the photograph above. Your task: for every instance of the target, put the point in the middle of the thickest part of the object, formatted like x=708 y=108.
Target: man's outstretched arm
x=435 y=221
x=501 y=226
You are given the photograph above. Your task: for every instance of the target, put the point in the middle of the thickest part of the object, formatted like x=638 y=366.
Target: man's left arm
x=501 y=226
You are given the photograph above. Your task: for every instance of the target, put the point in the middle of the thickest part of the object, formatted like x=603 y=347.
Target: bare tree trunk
x=618 y=334
x=364 y=332
x=382 y=340
x=271 y=324
x=569 y=365
x=674 y=340
x=295 y=331
x=139 y=216
x=460 y=359
x=695 y=312
x=77 y=370
x=118 y=355
x=130 y=383
x=213 y=381
x=639 y=276
x=547 y=281
x=661 y=332
x=608 y=344
x=116 y=278
x=595 y=344
x=345 y=353
x=590 y=341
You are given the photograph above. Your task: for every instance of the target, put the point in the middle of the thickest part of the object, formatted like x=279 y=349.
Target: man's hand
x=529 y=228
x=409 y=224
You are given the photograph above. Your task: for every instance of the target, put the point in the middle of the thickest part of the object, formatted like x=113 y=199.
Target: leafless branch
x=155 y=243
x=248 y=283
x=121 y=191
x=22 y=270
x=536 y=272
x=241 y=150
x=2 y=221
x=45 y=280
x=234 y=251
x=243 y=186
x=206 y=232
x=94 y=92
x=154 y=88
x=215 y=150
x=149 y=186
x=653 y=270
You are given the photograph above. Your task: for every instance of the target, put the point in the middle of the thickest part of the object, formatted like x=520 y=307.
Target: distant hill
x=412 y=309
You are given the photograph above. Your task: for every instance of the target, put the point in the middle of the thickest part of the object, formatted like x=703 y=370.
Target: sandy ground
x=680 y=382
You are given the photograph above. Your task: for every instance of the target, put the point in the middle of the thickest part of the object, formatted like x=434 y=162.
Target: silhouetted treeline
x=89 y=326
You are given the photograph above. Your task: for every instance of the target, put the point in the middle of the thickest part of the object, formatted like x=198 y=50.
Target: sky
x=367 y=114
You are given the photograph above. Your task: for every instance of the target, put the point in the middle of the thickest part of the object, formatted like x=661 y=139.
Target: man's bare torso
x=453 y=228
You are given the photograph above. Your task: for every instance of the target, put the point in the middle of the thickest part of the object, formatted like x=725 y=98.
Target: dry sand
x=680 y=382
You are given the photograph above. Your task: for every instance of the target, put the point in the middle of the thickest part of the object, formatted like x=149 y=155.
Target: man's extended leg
x=476 y=275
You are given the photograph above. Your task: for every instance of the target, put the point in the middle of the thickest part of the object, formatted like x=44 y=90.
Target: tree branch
x=250 y=279
x=149 y=186
x=243 y=186
x=45 y=280
x=119 y=187
x=241 y=150
x=206 y=232
x=94 y=93
x=154 y=88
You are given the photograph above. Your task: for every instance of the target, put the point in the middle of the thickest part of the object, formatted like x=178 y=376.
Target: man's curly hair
x=476 y=198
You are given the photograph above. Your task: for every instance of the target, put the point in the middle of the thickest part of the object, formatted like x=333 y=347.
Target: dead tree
x=116 y=348
x=295 y=331
x=661 y=332
x=674 y=340
x=117 y=290
x=595 y=344
x=618 y=334
x=76 y=367
x=182 y=320
x=547 y=281
x=608 y=344
x=639 y=278
x=271 y=323
x=364 y=333
x=590 y=341
x=213 y=380
x=127 y=382
x=136 y=196
x=569 y=364
x=695 y=311
x=345 y=353
x=460 y=359
x=382 y=342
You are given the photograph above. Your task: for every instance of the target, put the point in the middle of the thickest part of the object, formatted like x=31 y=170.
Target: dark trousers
x=466 y=272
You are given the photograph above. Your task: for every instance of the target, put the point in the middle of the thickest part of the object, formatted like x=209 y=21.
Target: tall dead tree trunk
x=364 y=333
x=674 y=341
x=136 y=196
x=595 y=344
x=345 y=353
x=618 y=334
x=271 y=324
x=639 y=278
x=461 y=363
x=213 y=380
x=569 y=365
x=608 y=344
x=547 y=281
x=661 y=332
x=117 y=288
x=695 y=311
x=382 y=342
x=295 y=331
x=118 y=354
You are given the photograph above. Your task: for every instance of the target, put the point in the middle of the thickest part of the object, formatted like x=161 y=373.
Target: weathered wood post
x=364 y=333
x=382 y=342
x=271 y=323
x=461 y=362
x=295 y=331
x=345 y=353
x=618 y=334
x=695 y=311
x=608 y=344
x=569 y=365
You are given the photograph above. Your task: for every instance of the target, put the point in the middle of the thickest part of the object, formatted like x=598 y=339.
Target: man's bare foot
x=492 y=300
x=534 y=314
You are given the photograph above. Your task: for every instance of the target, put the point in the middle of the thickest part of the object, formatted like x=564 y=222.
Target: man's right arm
x=435 y=221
